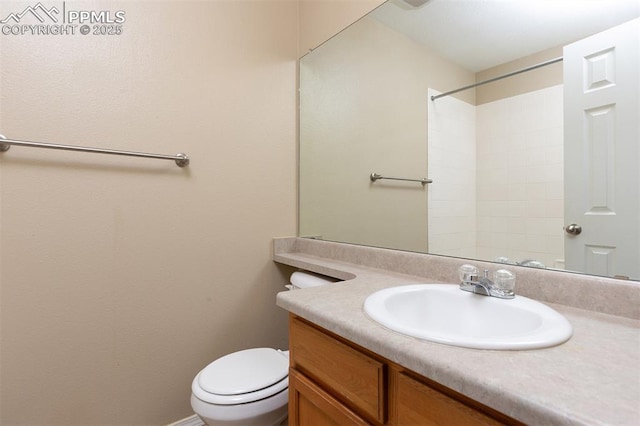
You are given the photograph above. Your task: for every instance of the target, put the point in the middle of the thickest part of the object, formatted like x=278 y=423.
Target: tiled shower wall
x=518 y=178
x=451 y=160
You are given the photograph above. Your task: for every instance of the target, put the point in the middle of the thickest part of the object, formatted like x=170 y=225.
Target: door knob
x=573 y=229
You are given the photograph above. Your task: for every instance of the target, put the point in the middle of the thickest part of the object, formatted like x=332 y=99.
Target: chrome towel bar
x=374 y=177
x=182 y=160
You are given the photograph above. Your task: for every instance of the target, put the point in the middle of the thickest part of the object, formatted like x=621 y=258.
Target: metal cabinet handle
x=573 y=229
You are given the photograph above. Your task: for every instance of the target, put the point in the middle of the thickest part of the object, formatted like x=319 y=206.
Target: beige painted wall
x=122 y=277
x=319 y=20
x=364 y=109
x=531 y=81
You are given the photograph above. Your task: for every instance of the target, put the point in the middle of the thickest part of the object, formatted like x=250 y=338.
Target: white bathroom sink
x=443 y=313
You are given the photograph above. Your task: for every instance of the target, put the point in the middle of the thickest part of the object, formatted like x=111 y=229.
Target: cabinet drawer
x=354 y=378
x=416 y=403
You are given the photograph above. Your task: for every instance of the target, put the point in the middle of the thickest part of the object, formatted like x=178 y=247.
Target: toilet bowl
x=248 y=387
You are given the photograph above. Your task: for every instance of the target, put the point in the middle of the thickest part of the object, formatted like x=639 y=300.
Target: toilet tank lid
x=244 y=371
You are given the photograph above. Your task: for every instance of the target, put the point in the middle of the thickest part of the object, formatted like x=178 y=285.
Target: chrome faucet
x=484 y=286
x=531 y=263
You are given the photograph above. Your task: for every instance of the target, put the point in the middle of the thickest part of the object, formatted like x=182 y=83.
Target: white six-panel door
x=602 y=154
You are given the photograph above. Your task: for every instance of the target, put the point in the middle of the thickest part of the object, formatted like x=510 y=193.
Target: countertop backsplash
x=599 y=294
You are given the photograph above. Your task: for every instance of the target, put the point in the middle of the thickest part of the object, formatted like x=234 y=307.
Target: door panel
x=602 y=138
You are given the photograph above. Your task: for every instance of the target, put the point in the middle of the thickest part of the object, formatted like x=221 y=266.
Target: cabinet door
x=311 y=406
x=415 y=403
x=354 y=378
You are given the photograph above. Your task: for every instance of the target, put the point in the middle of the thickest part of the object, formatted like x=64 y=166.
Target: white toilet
x=248 y=387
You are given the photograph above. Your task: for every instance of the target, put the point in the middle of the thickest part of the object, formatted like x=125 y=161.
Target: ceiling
x=480 y=34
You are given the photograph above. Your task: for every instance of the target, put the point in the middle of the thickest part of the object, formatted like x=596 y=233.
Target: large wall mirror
x=537 y=167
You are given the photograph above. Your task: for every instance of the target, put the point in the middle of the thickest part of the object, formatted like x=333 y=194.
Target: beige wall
x=122 y=277
x=363 y=103
x=319 y=20
x=531 y=81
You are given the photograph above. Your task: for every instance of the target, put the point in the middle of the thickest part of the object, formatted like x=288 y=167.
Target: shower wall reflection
x=501 y=164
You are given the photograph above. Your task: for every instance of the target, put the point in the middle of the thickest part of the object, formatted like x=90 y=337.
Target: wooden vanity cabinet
x=354 y=378
x=334 y=382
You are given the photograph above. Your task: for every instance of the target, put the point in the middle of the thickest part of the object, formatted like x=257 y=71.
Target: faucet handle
x=471 y=276
x=467 y=273
x=505 y=281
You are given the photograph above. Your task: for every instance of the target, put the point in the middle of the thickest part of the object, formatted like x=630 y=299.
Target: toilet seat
x=242 y=377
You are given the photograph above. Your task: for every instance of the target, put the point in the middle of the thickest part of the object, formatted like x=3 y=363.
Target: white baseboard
x=189 y=421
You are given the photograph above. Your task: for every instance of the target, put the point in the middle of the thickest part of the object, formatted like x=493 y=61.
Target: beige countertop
x=594 y=378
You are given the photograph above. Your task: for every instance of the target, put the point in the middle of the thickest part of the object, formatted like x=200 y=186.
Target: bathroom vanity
x=348 y=369
x=332 y=380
